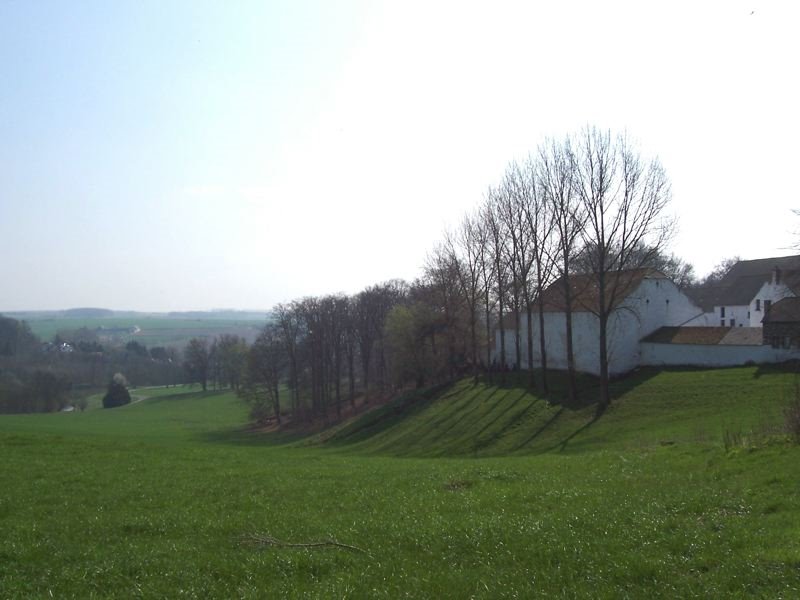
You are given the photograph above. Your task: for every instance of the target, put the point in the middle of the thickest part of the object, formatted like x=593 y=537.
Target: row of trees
x=587 y=204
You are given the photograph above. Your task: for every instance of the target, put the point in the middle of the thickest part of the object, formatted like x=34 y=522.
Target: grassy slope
x=150 y=499
x=652 y=408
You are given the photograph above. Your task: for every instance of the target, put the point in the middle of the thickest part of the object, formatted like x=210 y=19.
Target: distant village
x=752 y=315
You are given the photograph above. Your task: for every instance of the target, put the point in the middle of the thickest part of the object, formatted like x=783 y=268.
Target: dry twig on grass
x=268 y=540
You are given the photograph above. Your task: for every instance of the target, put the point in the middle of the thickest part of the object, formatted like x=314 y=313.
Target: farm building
x=746 y=292
x=648 y=300
x=656 y=323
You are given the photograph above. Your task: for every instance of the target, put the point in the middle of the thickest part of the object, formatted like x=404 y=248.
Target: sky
x=195 y=155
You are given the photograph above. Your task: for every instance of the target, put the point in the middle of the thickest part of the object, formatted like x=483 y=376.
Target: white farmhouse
x=649 y=301
x=745 y=294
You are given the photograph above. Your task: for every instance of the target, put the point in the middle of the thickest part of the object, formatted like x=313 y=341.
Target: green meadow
x=686 y=487
x=154 y=330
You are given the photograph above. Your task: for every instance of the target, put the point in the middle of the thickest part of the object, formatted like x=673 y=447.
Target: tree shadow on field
x=588 y=396
x=461 y=415
x=249 y=436
x=562 y=445
x=541 y=429
x=791 y=367
x=514 y=421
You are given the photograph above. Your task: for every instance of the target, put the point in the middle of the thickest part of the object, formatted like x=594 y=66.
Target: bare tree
x=623 y=198
x=442 y=272
x=265 y=366
x=496 y=239
x=197 y=361
x=288 y=320
x=556 y=172
x=487 y=274
x=513 y=253
x=521 y=215
x=466 y=246
x=540 y=223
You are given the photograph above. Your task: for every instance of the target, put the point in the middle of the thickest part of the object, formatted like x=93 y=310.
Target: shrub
x=117 y=394
x=791 y=415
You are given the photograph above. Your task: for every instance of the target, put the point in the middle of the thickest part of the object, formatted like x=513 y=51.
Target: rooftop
x=741 y=284
x=707 y=336
x=586 y=294
x=784 y=311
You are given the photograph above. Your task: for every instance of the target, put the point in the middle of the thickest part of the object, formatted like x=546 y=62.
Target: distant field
x=154 y=330
x=473 y=491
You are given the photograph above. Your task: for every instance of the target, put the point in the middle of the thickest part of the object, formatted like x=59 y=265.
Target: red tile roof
x=586 y=294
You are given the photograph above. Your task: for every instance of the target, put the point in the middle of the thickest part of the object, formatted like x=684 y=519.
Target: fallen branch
x=268 y=540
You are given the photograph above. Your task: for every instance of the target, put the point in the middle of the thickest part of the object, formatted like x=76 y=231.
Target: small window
x=722 y=312
x=733 y=322
x=722 y=323
x=758 y=304
x=748 y=314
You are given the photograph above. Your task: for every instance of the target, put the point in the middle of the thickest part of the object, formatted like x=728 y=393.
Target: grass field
x=154 y=331
x=470 y=492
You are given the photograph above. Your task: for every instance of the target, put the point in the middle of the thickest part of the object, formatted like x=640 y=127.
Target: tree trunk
x=489 y=341
x=474 y=340
x=352 y=380
x=529 y=319
x=542 y=347
x=573 y=391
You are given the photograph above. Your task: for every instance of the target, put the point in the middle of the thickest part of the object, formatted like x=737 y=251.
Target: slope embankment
x=650 y=408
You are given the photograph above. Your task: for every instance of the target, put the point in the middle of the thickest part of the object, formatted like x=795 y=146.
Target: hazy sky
x=189 y=155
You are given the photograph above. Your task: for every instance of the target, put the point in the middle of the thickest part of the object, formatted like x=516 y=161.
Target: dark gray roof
x=784 y=311
x=764 y=266
x=741 y=284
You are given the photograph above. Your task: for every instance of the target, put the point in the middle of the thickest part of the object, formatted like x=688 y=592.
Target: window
x=722 y=311
x=758 y=304
x=733 y=322
x=748 y=314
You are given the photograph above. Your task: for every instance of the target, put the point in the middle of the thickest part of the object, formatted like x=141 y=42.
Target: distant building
x=745 y=294
x=648 y=300
x=781 y=324
x=656 y=323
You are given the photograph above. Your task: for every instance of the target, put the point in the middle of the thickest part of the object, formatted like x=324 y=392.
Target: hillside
x=651 y=408
x=176 y=496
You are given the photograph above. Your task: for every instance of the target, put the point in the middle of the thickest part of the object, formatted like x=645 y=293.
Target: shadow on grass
x=510 y=424
x=245 y=436
x=561 y=446
x=540 y=430
x=790 y=366
x=180 y=396
x=380 y=419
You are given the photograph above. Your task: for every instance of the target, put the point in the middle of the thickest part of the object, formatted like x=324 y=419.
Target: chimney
x=776 y=276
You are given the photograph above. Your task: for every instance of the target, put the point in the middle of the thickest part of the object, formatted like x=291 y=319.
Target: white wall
x=769 y=291
x=740 y=315
x=711 y=355
x=655 y=303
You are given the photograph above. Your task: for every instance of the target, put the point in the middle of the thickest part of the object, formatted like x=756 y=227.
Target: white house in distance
x=745 y=294
x=655 y=323
x=648 y=301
